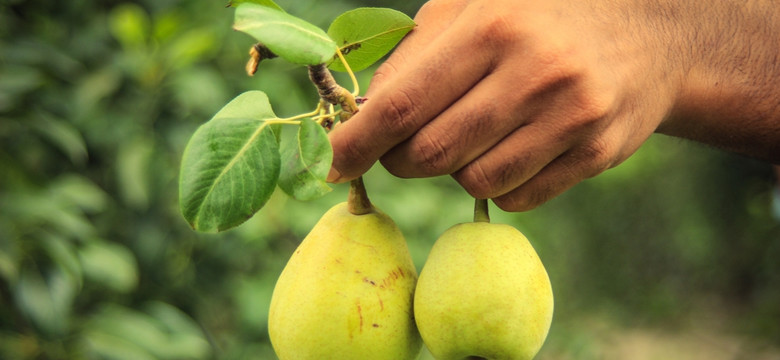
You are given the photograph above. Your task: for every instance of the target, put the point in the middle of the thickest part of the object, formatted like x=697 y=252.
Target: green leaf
x=110 y=264
x=293 y=39
x=306 y=162
x=268 y=3
x=130 y=24
x=101 y=345
x=230 y=165
x=79 y=191
x=47 y=302
x=133 y=165
x=10 y=259
x=364 y=35
x=63 y=253
x=184 y=338
x=190 y=47
x=62 y=134
x=151 y=337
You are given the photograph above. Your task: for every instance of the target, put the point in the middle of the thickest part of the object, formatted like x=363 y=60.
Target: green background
x=674 y=254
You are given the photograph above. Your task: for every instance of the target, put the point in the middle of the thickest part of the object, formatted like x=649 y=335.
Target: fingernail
x=333 y=176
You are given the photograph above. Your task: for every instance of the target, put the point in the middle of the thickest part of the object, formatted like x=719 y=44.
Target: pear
x=483 y=293
x=347 y=290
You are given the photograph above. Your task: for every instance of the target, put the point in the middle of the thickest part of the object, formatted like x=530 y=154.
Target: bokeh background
x=674 y=254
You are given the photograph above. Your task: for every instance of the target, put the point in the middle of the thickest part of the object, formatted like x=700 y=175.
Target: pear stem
x=481 y=211
x=357 y=201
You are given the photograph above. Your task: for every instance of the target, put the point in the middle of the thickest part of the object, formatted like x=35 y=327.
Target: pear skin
x=483 y=294
x=346 y=293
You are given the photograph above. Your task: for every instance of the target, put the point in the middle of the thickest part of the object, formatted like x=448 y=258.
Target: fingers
x=457 y=136
x=560 y=175
x=419 y=88
x=569 y=139
x=512 y=162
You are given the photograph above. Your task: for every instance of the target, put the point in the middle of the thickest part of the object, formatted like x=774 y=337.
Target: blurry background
x=675 y=254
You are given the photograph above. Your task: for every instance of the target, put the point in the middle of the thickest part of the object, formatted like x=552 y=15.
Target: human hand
x=518 y=100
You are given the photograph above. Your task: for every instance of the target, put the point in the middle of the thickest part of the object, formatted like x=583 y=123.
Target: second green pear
x=483 y=294
x=346 y=293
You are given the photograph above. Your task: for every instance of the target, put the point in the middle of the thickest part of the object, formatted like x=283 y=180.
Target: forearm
x=730 y=92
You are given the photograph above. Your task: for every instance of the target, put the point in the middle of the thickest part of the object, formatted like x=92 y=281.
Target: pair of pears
x=350 y=291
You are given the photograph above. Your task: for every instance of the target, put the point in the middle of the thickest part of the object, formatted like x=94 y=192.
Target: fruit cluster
x=350 y=291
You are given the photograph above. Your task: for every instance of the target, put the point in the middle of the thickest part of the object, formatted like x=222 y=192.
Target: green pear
x=483 y=294
x=346 y=292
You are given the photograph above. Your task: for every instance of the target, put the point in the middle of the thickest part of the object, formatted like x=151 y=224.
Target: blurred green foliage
x=98 y=99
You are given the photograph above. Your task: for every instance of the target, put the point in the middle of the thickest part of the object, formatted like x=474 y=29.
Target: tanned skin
x=520 y=100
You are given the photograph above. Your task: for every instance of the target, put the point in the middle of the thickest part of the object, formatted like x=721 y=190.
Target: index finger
x=421 y=88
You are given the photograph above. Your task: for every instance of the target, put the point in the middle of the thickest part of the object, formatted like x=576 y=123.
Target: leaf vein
x=230 y=165
x=360 y=41
x=283 y=23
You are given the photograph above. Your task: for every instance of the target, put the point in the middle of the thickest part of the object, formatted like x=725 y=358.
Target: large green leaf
x=230 y=166
x=306 y=162
x=292 y=38
x=364 y=35
x=268 y=3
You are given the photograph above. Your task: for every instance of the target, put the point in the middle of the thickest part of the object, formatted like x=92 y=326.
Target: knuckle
x=384 y=72
x=429 y=8
x=593 y=105
x=602 y=158
x=527 y=197
x=588 y=98
x=433 y=156
x=587 y=110
x=475 y=181
x=511 y=204
x=594 y=157
x=496 y=32
x=434 y=9
x=354 y=152
x=398 y=117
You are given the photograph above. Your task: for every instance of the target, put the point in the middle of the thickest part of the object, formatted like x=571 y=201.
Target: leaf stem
x=305 y=115
x=481 y=211
x=283 y=122
x=326 y=116
x=355 y=84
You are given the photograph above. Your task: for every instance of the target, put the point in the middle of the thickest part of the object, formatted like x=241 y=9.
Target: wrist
x=728 y=95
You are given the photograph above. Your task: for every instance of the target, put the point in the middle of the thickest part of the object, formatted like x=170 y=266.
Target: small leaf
x=63 y=135
x=47 y=302
x=80 y=191
x=190 y=47
x=130 y=24
x=306 y=163
x=184 y=338
x=292 y=38
x=364 y=35
x=230 y=166
x=268 y=3
x=151 y=336
x=110 y=264
x=133 y=166
x=101 y=345
x=63 y=253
